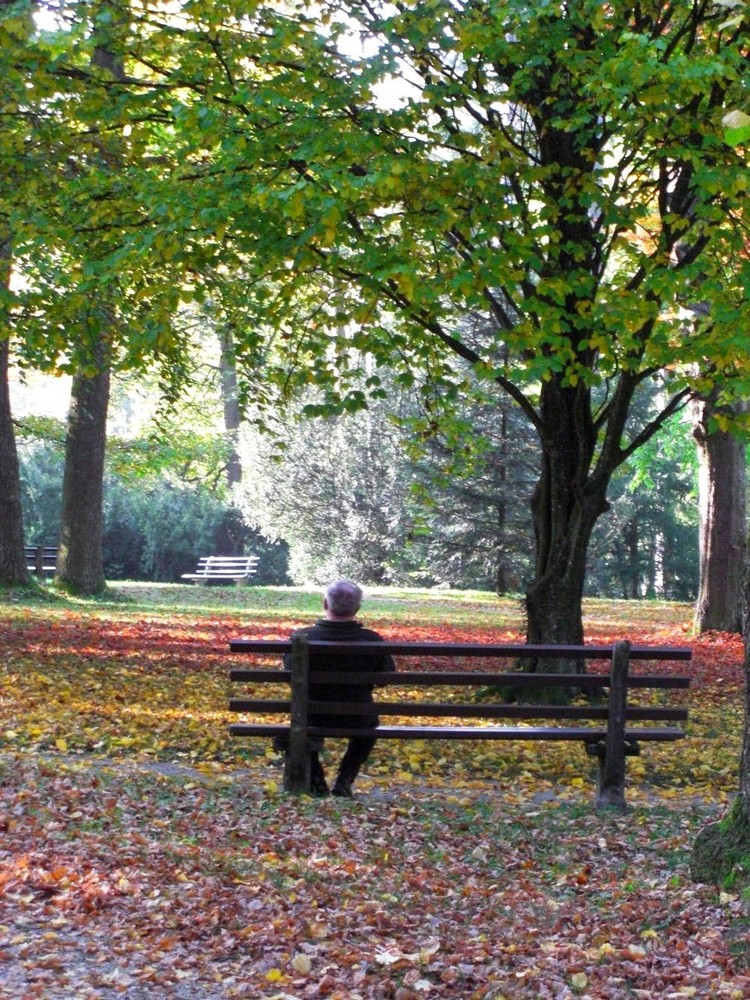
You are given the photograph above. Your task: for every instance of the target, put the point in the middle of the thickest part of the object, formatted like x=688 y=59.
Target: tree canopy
x=535 y=200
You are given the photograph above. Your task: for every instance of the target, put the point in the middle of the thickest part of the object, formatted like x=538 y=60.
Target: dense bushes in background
x=154 y=528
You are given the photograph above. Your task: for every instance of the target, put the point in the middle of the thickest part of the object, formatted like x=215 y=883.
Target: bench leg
x=610 y=784
x=297 y=764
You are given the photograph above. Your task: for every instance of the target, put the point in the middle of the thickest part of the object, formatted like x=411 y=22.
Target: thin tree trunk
x=722 y=525
x=230 y=399
x=80 y=563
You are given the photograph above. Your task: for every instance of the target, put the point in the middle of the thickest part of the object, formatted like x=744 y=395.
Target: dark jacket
x=328 y=630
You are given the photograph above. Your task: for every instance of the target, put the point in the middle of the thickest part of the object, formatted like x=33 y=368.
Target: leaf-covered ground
x=143 y=853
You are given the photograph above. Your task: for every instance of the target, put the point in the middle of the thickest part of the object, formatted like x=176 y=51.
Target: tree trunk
x=501 y=506
x=12 y=559
x=722 y=525
x=230 y=399
x=80 y=562
x=631 y=535
x=721 y=852
x=567 y=502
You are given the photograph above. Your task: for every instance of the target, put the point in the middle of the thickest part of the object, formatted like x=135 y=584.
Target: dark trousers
x=357 y=752
x=359 y=749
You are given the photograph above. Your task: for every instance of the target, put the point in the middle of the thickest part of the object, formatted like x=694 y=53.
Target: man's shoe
x=343 y=789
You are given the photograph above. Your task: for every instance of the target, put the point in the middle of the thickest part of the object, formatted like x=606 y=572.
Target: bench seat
x=585 y=734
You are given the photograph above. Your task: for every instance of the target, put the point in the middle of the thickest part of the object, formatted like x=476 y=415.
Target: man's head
x=342 y=600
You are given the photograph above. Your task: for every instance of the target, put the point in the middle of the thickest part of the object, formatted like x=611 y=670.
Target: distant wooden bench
x=41 y=559
x=606 y=730
x=224 y=568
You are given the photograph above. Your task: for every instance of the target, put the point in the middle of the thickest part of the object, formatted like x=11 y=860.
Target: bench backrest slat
x=463 y=649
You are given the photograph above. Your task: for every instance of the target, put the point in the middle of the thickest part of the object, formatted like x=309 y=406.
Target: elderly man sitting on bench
x=341 y=602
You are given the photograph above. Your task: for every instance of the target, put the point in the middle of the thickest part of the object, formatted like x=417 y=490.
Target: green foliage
x=509 y=174
x=737 y=131
x=473 y=478
x=158 y=532
x=648 y=543
x=427 y=504
x=41 y=491
x=527 y=199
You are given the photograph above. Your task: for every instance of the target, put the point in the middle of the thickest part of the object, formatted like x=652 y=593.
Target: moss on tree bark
x=721 y=853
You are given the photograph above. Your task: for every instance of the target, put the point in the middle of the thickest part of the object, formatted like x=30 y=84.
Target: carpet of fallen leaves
x=143 y=853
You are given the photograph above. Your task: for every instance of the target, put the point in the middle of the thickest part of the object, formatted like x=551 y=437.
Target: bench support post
x=297 y=763
x=610 y=787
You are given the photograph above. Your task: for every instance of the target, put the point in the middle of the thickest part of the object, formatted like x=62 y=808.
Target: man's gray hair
x=343 y=598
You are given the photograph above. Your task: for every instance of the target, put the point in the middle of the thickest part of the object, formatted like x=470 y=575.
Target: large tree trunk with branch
x=722 y=525
x=571 y=495
x=566 y=504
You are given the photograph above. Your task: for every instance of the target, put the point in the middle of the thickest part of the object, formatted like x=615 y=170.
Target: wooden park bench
x=236 y=568
x=605 y=729
x=41 y=559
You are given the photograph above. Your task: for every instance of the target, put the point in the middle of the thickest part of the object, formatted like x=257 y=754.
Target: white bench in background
x=236 y=568
x=41 y=559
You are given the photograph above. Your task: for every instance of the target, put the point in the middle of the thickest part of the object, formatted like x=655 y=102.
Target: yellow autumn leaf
x=61 y=745
x=274 y=975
